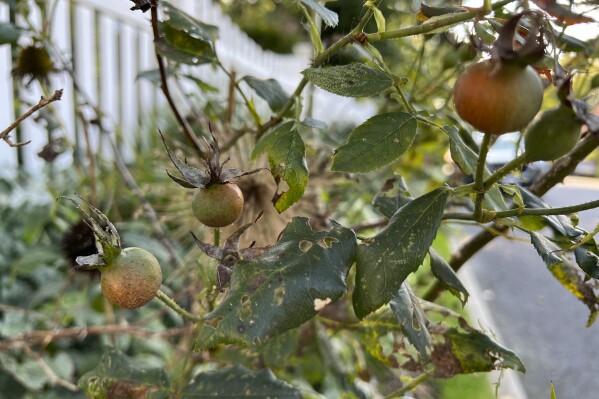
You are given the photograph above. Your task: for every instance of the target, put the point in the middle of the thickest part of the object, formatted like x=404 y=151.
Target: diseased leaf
x=398 y=250
x=456 y=349
x=566 y=274
x=117 y=376
x=284 y=287
x=412 y=320
x=270 y=90
x=447 y=276
x=286 y=156
x=392 y=196
x=352 y=80
x=377 y=142
x=239 y=382
x=330 y=18
x=553 y=396
x=466 y=350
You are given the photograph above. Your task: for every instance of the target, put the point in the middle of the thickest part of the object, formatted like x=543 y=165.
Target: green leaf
x=118 y=376
x=28 y=372
x=315 y=123
x=9 y=33
x=513 y=190
x=330 y=18
x=412 y=320
x=179 y=20
x=33 y=259
x=392 y=197
x=270 y=90
x=282 y=288
x=461 y=154
x=553 y=396
x=186 y=40
x=377 y=142
x=398 y=250
x=587 y=258
x=239 y=382
x=352 y=80
x=447 y=276
x=286 y=156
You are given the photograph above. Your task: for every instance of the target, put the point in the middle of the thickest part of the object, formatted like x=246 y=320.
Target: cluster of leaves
x=328 y=312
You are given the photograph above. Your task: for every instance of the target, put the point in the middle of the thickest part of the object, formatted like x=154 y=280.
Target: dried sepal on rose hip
x=504 y=93
x=229 y=254
x=130 y=277
x=217 y=201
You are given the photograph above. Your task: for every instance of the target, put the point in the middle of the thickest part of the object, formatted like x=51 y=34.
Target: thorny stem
x=504 y=171
x=560 y=169
x=479 y=183
x=529 y=211
x=165 y=89
x=414 y=382
x=146 y=206
x=41 y=104
x=168 y=301
x=440 y=22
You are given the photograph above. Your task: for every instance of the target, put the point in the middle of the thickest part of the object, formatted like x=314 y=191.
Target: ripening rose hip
x=132 y=279
x=497 y=98
x=218 y=205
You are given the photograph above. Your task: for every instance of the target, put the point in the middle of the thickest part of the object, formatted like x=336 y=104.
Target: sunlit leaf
x=352 y=80
x=383 y=264
x=286 y=286
x=286 y=156
x=377 y=142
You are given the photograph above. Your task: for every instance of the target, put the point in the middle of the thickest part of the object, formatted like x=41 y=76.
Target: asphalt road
x=532 y=314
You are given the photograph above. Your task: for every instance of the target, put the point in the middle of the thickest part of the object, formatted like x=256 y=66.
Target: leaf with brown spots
x=282 y=288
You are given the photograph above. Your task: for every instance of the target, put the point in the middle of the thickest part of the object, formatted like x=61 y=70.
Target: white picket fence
x=110 y=45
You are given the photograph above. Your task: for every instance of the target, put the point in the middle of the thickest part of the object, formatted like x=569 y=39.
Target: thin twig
x=165 y=89
x=41 y=104
x=47 y=336
x=52 y=376
x=145 y=204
